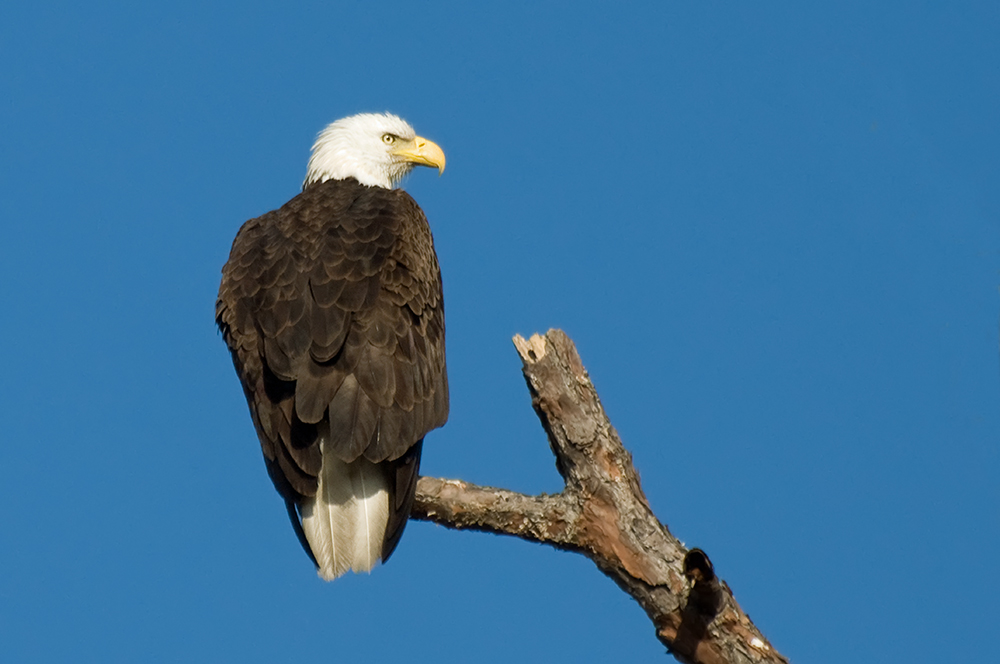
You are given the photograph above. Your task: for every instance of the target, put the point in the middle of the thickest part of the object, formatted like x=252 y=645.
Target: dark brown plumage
x=332 y=309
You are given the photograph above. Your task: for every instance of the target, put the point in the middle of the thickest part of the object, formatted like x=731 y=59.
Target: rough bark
x=603 y=514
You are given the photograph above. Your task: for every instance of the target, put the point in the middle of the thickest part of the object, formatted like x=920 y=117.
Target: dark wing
x=333 y=312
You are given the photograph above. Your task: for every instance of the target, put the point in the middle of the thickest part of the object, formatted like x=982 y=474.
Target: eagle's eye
x=388 y=139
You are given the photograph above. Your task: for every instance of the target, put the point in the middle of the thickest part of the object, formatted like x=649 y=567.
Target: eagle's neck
x=324 y=166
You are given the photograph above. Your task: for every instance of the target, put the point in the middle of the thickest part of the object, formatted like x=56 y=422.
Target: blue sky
x=773 y=231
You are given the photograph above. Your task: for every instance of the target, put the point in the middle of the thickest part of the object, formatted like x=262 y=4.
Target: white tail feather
x=345 y=522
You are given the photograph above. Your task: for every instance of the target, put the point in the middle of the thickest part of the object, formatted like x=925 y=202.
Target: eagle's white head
x=377 y=149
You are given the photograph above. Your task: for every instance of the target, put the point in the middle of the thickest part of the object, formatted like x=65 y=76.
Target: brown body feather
x=332 y=309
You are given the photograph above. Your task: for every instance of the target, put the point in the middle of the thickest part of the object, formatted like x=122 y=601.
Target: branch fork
x=603 y=514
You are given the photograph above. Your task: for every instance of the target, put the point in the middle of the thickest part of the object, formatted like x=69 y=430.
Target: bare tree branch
x=603 y=514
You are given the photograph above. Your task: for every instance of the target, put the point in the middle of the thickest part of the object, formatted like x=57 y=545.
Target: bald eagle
x=332 y=309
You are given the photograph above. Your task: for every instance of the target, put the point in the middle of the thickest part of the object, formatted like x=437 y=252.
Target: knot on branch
x=706 y=596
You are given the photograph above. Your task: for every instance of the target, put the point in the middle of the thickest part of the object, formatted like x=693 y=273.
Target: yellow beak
x=423 y=152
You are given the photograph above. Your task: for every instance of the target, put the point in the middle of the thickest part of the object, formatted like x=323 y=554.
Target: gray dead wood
x=603 y=514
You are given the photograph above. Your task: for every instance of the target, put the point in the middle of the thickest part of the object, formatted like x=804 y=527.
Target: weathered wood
x=603 y=514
